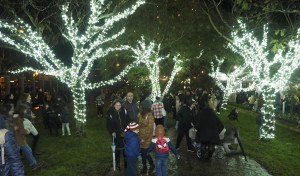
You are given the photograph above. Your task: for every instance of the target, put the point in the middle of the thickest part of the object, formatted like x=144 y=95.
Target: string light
x=257 y=56
x=233 y=80
x=87 y=48
x=149 y=55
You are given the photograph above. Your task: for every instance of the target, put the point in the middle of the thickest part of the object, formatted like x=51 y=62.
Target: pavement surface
x=190 y=165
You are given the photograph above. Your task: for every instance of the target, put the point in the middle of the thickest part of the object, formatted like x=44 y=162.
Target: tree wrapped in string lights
x=233 y=80
x=88 y=46
x=257 y=56
x=148 y=54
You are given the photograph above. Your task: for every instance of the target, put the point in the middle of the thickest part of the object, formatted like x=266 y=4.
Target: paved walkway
x=190 y=165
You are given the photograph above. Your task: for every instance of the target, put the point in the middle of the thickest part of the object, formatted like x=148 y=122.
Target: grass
x=280 y=156
x=91 y=155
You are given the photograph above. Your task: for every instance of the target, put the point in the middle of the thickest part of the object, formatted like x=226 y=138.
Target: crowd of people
x=17 y=121
x=139 y=128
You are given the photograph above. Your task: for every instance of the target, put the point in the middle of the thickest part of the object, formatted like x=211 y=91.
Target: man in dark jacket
x=185 y=117
x=131 y=107
x=12 y=164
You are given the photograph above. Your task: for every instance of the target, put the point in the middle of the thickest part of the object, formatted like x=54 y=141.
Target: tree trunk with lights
x=268 y=112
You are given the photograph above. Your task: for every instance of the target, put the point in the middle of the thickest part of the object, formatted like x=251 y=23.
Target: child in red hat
x=132 y=147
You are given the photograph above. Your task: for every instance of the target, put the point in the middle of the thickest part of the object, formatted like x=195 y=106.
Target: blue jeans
x=165 y=119
x=28 y=153
x=161 y=166
x=131 y=166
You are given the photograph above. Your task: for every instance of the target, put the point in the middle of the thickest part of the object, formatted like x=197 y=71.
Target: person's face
x=130 y=97
x=118 y=106
x=192 y=105
x=136 y=131
x=11 y=111
x=28 y=98
x=11 y=96
x=47 y=106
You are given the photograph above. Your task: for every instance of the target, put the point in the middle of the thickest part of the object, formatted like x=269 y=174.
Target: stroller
x=229 y=137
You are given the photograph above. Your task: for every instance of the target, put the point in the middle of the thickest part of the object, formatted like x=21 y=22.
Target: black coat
x=167 y=104
x=185 y=116
x=117 y=121
x=208 y=127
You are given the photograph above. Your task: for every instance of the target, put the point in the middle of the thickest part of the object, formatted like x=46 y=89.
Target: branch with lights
x=257 y=55
x=233 y=80
x=148 y=54
x=87 y=47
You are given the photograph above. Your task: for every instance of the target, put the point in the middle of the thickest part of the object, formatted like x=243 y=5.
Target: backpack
x=2 y=141
x=161 y=145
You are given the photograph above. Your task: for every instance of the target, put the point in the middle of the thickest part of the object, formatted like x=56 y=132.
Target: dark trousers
x=118 y=156
x=100 y=110
x=183 y=130
x=131 y=166
x=35 y=140
x=146 y=157
x=159 y=121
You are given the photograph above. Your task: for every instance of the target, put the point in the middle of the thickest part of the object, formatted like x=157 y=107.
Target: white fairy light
x=233 y=80
x=256 y=56
x=149 y=55
x=87 y=48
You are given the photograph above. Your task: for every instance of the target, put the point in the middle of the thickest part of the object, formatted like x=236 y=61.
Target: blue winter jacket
x=132 y=144
x=13 y=165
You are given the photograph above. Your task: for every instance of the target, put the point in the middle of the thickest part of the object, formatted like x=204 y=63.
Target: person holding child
x=162 y=144
x=132 y=147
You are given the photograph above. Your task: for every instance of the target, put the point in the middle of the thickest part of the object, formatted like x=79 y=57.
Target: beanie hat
x=146 y=104
x=131 y=126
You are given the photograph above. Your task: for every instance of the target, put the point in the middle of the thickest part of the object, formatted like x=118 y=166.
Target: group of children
x=161 y=143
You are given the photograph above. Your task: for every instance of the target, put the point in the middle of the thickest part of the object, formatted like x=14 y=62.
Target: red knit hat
x=131 y=126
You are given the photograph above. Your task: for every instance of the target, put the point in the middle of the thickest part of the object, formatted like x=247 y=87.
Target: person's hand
x=140 y=158
x=178 y=157
x=33 y=116
x=16 y=128
x=113 y=134
x=142 y=140
x=27 y=130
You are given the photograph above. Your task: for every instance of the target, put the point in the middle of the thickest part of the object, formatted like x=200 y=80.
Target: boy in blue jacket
x=132 y=147
x=162 y=145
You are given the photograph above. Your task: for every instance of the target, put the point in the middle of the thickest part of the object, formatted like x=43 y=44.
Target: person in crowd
x=208 y=126
x=40 y=97
x=65 y=118
x=20 y=133
x=10 y=160
x=25 y=100
x=99 y=105
x=50 y=117
x=162 y=144
x=148 y=97
x=7 y=111
x=167 y=101
x=131 y=107
x=177 y=108
x=186 y=116
x=234 y=114
x=203 y=101
x=10 y=99
x=116 y=122
x=259 y=122
x=132 y=147
x=156 y=108
x=251 y=101
x=59 y=104
x=146 y=122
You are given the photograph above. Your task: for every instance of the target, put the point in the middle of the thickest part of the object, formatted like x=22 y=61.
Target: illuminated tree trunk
x=268 y=111
x=154 y=78
x=79 y=108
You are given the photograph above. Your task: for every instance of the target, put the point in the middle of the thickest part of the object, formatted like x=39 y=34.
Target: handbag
x=192 y=133
x=164 y=113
